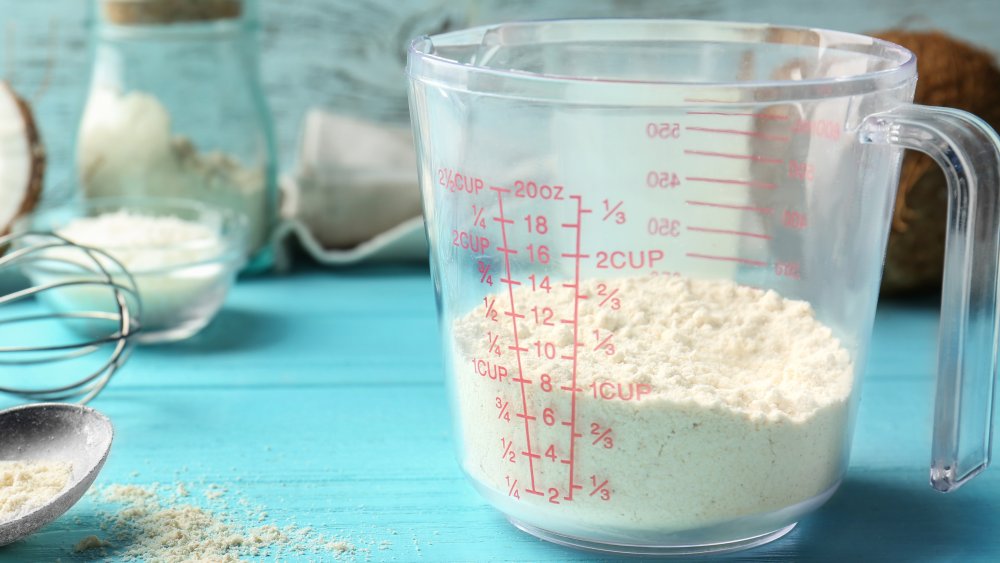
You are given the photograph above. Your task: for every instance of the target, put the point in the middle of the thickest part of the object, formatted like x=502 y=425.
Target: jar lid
x=153 y=12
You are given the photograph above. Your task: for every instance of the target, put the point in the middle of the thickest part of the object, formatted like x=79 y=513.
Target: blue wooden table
x=320 y=396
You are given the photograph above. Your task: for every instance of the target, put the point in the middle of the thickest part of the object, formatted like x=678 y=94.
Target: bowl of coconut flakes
x=181 y=256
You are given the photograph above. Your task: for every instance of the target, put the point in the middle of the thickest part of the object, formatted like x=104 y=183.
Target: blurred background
x=346 y=59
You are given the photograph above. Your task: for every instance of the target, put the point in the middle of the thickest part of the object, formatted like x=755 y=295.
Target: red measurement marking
x=801 y=170
x=455 y=181
x=607 y=297
x=820 y=128
x=628 y=259
x=612 y=209
x=484 y=273
x=507 y=450
x=610 y=391
x=741 y=114
x=504 y=409
x=756 y=134
x=787 y=269
x=491 y=311
x=603 y=435
x=794 y=219
x=751 y=183
x=573 y=388
x=764 y=210
x=512 y=489
x=495 y=372
x=469 y=241
x=517 y=341
x=509 y=281
x=727 y=259
x=605 y=343
x=753 y=157
x=728 y=232
x=479 y=220
x=601 y=488
x=494 y=347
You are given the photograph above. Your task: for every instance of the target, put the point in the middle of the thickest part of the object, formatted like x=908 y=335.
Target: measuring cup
x=616 y=206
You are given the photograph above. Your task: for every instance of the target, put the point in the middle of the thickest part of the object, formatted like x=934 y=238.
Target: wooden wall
x=349 y=54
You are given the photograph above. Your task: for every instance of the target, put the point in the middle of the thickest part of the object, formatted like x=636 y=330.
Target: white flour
x=27 y=485
x=722 y=401
x=155 y=525
x=176 y=264
x=145 y=242
x=128 y=146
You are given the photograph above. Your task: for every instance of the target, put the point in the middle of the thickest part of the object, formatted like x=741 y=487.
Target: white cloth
x=353 y=195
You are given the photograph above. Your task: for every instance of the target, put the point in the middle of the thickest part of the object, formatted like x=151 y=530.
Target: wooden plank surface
x=320 y=397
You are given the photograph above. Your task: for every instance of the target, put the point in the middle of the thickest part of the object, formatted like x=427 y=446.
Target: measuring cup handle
x=969 y=152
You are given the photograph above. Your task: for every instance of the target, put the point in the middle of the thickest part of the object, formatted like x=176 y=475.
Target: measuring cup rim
x=425 y=65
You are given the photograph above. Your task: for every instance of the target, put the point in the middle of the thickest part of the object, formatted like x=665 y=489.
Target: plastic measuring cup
x=584 y=180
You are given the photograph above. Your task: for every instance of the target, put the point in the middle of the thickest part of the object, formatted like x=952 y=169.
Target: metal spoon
x=54 y=432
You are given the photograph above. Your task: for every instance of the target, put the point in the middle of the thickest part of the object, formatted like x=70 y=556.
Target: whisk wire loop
x=82 y=287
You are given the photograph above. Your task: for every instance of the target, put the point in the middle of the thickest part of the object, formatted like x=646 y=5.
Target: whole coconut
x=953 y=74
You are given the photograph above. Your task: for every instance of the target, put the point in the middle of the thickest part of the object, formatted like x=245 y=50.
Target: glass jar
x=176 y=109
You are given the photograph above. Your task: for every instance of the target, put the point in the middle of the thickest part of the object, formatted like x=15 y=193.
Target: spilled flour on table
x=91 y=542
x=158 y=523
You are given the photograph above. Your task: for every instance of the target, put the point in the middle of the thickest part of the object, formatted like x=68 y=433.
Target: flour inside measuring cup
x=699 y=402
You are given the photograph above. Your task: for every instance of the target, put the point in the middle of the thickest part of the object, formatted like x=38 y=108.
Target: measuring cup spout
x=488 y=47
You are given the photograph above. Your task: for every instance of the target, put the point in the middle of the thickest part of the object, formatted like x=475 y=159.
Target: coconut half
x=22 y=159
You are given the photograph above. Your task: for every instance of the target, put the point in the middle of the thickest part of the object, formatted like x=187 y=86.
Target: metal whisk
x=83 y=288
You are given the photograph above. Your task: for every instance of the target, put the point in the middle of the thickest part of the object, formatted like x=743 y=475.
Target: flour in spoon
x=699 y=402
x=28 y=485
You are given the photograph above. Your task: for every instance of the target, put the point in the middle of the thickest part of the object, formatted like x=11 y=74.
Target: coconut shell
x=954 y=74
x=36 y=175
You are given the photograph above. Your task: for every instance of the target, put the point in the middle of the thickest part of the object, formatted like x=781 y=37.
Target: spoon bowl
x=54 y=432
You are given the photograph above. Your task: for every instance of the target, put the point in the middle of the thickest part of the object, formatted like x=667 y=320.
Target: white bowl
x=181 y=286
